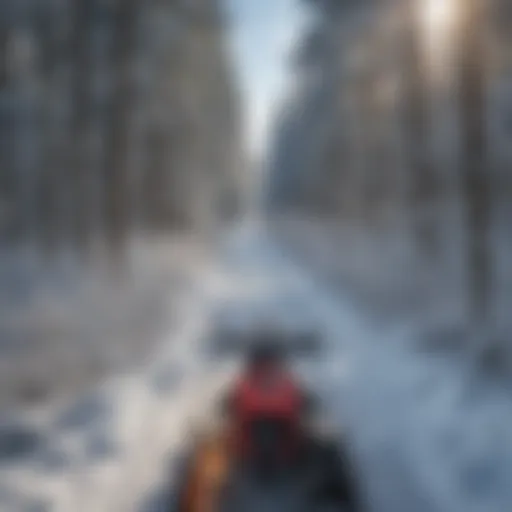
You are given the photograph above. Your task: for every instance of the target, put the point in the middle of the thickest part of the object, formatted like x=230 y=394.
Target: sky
x=263 y=33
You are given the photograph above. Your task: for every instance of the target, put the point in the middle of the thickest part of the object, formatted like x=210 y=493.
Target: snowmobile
x=261 y=456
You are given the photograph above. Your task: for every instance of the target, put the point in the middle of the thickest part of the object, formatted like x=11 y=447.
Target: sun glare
x=438 y=15
x=439 y=18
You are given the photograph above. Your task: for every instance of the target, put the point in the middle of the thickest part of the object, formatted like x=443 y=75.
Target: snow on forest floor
x=105 y=449
x=426 y=434
x=431 y=429
x=65 y=325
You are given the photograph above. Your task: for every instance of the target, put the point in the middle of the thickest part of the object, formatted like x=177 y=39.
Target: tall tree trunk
x=4 y=43
x=51 y=161
x=5 y=124
x=54 y=57
x=371 y=192
x=476 y=183
x=159 y=137
x=117 y=151
x=156 y=186
x=25 y=117
x=423 y=180
x=80 y=122
x=366 y=112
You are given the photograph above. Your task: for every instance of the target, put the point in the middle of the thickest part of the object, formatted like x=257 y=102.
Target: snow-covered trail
x=428 y=434
x=110 y=451
x=104 y=451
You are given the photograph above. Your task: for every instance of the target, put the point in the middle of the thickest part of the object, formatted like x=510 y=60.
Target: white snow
x=427 y=434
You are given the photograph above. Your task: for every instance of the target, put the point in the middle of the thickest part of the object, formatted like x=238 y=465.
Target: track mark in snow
x=85 y=413
x=166 y=379
x=18 y=442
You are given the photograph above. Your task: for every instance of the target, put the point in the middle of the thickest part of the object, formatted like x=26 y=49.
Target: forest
x=115 y=117
x=368 y=238
x=394 y=152
x=119 y=163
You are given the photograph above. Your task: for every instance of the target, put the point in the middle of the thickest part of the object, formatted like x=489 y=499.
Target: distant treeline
x=115 y=116
x=403 y=107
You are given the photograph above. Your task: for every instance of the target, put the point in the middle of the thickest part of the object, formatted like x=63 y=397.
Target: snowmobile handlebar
x=226 y=343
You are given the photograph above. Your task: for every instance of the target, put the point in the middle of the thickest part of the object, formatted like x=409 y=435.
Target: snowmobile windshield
x=266 y=351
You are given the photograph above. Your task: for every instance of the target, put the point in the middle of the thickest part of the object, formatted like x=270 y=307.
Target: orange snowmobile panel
x=208 y=475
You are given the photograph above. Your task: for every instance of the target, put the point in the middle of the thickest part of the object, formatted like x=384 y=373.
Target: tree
x=86 y=95
x=82 y=11
x=117 y=150
x=50 y=176
x=5 y=156
x=423 y=179
x=476 y=182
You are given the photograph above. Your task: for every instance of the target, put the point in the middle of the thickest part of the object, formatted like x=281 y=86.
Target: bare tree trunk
x=116 y=184
x=366 y=113
x=476 y=181
x=156 y=183
x=371 y=192
x=4 y=41
x=5 y=107
x=159 y=137
x=51 y=161
x=424 y=181
x=25 y=116
x=80 y=122
x=353 y=186
x=53 y=45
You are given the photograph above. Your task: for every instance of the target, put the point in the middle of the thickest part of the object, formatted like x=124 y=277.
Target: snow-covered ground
x=66 y=325
x=430 y=430
x=106 y=449
x=426 y=434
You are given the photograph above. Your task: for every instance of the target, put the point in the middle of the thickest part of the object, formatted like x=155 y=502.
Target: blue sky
x=263 y=31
